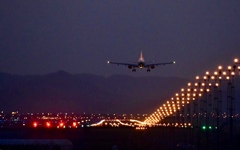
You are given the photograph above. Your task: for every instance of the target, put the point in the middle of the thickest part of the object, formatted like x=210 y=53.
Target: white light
x=236 y=60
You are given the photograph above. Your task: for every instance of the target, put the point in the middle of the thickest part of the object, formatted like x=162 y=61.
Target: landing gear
x=148 y=70
x=133 y=70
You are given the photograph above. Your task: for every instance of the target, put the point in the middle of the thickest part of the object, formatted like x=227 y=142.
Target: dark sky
x=43 y=36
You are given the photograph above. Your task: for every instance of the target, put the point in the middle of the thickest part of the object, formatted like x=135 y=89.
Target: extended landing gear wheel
x=148 y=70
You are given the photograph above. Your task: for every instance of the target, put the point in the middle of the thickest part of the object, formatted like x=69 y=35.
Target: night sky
x=79 y=36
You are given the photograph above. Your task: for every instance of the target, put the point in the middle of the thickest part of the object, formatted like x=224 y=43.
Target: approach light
x=205 y=78
x=35 y=124
x=61 y=124
x=74 y=124
x=48 y=124
x=229 y=67
x=236 y=60
x=204 y=127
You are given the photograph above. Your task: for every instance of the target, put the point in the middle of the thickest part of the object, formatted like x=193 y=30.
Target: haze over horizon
x=40 y=37
x=64 y=92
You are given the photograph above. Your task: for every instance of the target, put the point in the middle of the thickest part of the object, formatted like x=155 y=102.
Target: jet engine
x=152 y=67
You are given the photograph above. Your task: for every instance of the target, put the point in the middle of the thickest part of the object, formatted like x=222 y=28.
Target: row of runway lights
x=113 y=123
x=58 y=125
x=182 y=98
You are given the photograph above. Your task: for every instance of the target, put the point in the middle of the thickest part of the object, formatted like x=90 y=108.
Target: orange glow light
x=236 y=60
x=48 y=124
x=35 y=124
x=61 y=124
x=74 y=124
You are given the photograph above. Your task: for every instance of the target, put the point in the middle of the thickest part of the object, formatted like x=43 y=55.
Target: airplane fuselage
x=141 y=64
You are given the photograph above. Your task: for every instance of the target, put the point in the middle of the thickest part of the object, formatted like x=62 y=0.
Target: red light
x=48 y=124
x=35 y=124
x=74 y=124
x=61 y=124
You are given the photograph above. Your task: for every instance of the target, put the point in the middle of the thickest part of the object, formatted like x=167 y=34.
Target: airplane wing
x=125 y=64
x=157 y=64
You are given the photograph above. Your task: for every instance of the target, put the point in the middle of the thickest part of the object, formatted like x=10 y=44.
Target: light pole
x=191 y=99
x=217 y=103
x=230 y=101
x=183 y=112
x=206 y=105
x=198 y=85
x=231 y=98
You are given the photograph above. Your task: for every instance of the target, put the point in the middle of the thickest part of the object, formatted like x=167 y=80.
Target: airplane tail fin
x=141 y=57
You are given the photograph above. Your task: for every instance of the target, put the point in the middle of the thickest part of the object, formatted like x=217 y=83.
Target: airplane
x=141 y=64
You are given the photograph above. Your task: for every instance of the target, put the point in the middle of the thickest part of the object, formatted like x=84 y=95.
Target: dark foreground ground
x=160 y=138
